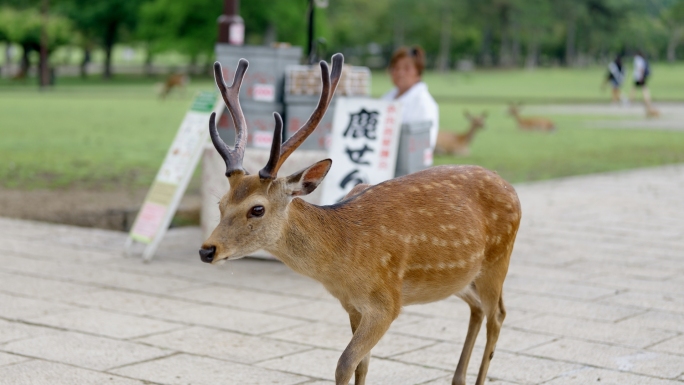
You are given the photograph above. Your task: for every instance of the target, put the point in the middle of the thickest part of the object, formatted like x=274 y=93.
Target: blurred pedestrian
x=642 y=71
x=616 y=75
x=406 y=68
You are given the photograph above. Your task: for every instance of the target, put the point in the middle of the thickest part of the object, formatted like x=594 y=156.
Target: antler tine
x=268 y=171
x=233 y=158
x=330 y=81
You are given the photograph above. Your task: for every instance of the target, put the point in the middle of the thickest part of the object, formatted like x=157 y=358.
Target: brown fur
x=173 y=81
x=444 y=231
x=451 y=143
x=530 y=123
x=651 y=112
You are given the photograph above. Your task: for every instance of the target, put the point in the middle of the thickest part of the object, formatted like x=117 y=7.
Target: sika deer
x=529 y=123
x=173 y=81
x=451 y=143
x=444 y=231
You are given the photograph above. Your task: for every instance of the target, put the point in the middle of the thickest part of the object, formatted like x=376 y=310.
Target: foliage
x=24 y=28
x=104 y=21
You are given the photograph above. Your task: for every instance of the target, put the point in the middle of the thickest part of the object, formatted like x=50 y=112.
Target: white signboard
x=174 y=175
x=364 y=142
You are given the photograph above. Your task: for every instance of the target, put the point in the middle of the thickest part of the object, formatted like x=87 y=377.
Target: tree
x=23 y=27
x=104 y=21
x=674 y=20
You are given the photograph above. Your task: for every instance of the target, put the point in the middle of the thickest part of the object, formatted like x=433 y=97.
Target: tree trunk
x=148 y=62
x=486 y=48
x=8 y=59
x=25 y=63
x=531 y=60
x=515 y=44
x=85 y=61
x=444 y=42
x=107 y=74
x=44 y=66
x=672 y=44
x=109 y=41
x=570 y=43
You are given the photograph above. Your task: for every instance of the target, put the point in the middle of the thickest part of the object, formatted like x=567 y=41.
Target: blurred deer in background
x=530 y=123
x=651 y=112
x=179 y=81
x=451 y=143
x=444 y=231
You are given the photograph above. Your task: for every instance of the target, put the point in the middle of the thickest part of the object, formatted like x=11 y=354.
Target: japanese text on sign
x=364 y=142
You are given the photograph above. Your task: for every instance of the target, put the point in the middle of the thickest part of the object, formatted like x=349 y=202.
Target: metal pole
x=231 y=27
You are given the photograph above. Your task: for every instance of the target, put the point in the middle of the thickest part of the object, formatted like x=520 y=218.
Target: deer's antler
x=232 y=157
x=280 y=153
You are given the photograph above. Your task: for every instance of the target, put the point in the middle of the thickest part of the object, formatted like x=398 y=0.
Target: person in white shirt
x=641 y=72
x=406 y=68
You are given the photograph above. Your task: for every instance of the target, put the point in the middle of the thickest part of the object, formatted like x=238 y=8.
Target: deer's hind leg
x=490 y=289
x=471 y=297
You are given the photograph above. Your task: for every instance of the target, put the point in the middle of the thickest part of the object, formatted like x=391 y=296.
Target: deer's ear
x=305 y=181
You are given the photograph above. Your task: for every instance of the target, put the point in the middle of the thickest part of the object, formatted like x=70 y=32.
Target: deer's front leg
x=362 y=368
x=370 y=329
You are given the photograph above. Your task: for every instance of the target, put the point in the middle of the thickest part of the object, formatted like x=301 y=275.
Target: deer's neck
x=470 y=134
x=311 y=239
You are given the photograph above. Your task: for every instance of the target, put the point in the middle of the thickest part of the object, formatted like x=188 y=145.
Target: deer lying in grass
x=179 y=81
x=444 y=231
x=530 y=123
x=451 y=143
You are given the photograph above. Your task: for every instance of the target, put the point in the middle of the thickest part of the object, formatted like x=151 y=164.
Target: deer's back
x=433 y=228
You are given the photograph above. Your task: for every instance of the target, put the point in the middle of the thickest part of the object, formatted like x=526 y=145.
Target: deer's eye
x=256 y=211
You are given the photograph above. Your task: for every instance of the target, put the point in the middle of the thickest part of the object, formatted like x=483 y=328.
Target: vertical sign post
x=364 y=142
x=174 y=175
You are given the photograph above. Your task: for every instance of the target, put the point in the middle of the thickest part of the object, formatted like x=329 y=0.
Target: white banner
x=364 y=143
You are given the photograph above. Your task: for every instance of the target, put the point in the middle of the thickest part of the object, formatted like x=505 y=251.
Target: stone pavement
x=595 y=294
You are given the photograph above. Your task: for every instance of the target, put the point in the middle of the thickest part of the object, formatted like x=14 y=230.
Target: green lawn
x=97 y=134
x=543 y=85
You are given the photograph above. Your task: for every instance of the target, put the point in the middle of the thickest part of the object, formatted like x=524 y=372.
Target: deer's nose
x=207 y=255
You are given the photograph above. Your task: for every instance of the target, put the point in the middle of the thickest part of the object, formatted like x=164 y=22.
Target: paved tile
x=12 y=331
x=238 y=298
x=321 y=363
x=9 y=359
x=657 y=320
x=613 y=357
x=664 y=301
x=337 y=337
x=40 y=288
x=83 y=350
x=127 y=302
x=105 y=323
x=674 y=346
x=20 y=308
x=224 y=345
x=231 y=319
x=574 y=308
x=185 y=369
x=38 y=372
x=611 y=333
x=322 y=311
x=589 y=375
